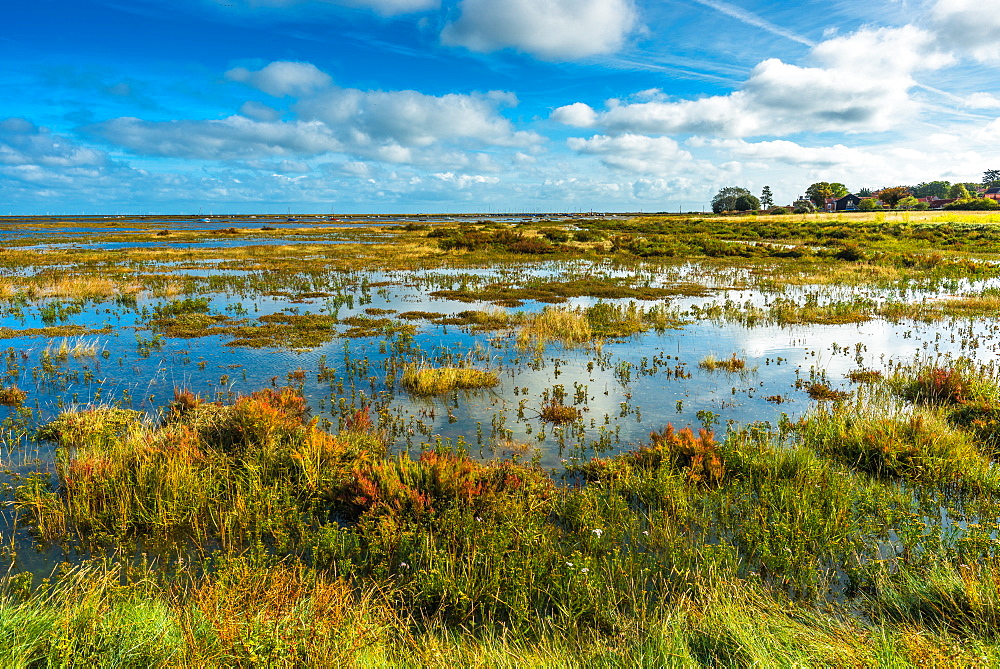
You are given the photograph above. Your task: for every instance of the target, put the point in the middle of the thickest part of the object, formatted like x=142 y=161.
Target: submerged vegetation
x=274 y=452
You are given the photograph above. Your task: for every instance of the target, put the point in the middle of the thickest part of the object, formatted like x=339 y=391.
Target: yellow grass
x=82 y=287
x=421 y=380
x=730 y=364
x=569 y=326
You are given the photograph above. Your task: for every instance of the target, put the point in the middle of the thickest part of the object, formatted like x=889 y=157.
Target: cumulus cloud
x=860 y=83
x=634 y=153
x=883 y=52
x=230 y=138
x=259 y=111
x=578 y=114
x=41 y=167
x=388 y=126
x=283 y=78
x=409 y=119
x=988 y=135
x=22 y=143
x=463 y=181
x=549 y=29
x=968 y=26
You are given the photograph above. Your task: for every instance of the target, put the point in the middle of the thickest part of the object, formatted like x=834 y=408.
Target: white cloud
x=388 y=126
x=282 y=78
x=968 y=26
x=988 y=135
x=578 y=114
x=882 y=52
x=259 y=111
x=790 y=153
x=354 y=168
x=463 y=181
x=40 y=167
x=861 y=85
x=408 y=119
x=22 y=143
x=634 y=153
x=982 y=101
x=230 y=138
x=548 y=29
x=662 y=190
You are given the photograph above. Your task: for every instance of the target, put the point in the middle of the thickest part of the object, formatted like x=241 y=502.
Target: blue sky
x=408 y=106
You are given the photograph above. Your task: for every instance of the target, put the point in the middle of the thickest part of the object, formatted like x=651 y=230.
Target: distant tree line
x=735 y=198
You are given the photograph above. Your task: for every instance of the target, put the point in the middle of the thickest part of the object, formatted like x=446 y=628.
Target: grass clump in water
x=576 y=327
x=824 y=393
x=422 y=380
x=567 y=326
x=12 y=396
x=730 y=364
x=865 y=376
x=697 y=458
x=555 y=411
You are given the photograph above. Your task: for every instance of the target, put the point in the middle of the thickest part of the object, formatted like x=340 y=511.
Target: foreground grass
x=274 y=542
x=253 y=615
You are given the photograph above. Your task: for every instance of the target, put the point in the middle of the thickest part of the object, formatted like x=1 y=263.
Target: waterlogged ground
x=624 y=387
x=745 y=327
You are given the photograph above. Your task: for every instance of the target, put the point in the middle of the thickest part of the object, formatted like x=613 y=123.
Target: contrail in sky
x=749 y=18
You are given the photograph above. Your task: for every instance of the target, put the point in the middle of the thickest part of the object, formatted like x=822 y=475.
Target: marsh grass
x=868 y=376
x=12 y=396
x=420 y=379
x=74 y=348
x=731 y=364
x=824 y=393
x=257 y=458
x=682 y=549
x=591 y=325
x=84 y=286
x=555 y=411
x=879 y=438
x=250 y=613
x=863 y=535
x=965 y=393
x=247 y=612
x=570 y=327
x=560 y=291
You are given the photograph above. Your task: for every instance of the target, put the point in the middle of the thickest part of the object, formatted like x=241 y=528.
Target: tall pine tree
x=766 y=198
